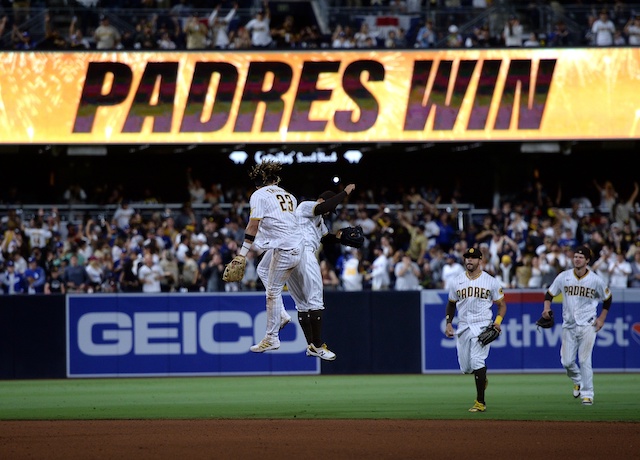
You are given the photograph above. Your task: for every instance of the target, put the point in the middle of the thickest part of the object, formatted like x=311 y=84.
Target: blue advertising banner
x=164 y=335
x=523 y=347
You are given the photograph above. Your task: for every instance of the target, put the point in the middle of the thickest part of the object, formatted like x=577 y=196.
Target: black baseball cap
x=326 y=195
x=473 y=253
x=585 y=251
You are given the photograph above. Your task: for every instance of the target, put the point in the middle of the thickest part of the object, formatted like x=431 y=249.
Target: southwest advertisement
x=523 y=347
x=319 y=97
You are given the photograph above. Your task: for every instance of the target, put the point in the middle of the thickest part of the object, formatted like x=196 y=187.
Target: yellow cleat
x=478 y=407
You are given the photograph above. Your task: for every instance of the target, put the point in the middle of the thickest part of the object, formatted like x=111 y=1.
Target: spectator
x=330 y=279
x=128 y=280
x=352 y=276
x=197 y=192
x=106 y=36
x=407 y=274
x=379 y=272
x=12 y=282
x=603 y=30
x=34 y=277
x=122 y=216
x=96 y=275
x=513 y=32
x=286 y=36
x=426 y=36
x=364 y=36
x=532 y=41
x=150 y=274
x=634 y=277
x=450 y=270
x=212 y=272
x=250 y=279
x=165 y=42
x=603 y=262
x=561 y=36
x=21 y=40
x=453 y=38
x=535 y=280
x=259 y=28
x=52 y=38
x=619 y=271
x=54 y=284
x=240 y=39
x=75 y=276
x=196 y=31
x=632 y=30
x=189 y=274
x=220 y=26
x=77 y=40
x=75 y=194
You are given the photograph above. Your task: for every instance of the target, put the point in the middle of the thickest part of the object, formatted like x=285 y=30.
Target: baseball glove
x=352 y=236
x=545 y=323
x=488 y=335
x=234 y=271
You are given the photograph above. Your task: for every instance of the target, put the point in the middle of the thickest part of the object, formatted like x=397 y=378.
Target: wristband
x=449 y=320
x=244 y=249
x=498 y=319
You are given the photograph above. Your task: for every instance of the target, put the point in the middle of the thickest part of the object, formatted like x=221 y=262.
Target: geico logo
x=175 y=333
x=524 y=334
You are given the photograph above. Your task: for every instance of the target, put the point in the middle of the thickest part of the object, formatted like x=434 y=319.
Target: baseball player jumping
x=273 y=228
x=305 y=284
x=582 y=289
x=473 y=293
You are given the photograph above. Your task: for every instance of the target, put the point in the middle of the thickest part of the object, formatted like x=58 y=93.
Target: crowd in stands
x=414 y=244
x=185 y=25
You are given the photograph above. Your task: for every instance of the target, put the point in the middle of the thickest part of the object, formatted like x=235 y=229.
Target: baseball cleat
x=576 y=391
x=265 y=345
x=478 y=407
x=321 y=352
x=587 y=402
x=284 y=321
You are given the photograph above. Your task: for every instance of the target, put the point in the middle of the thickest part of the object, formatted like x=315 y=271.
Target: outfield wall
x=116 y=335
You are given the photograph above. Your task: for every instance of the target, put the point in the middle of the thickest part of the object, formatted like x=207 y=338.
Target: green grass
x=509 y=397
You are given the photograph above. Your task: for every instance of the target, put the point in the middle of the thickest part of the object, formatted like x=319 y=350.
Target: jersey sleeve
x=556 y=286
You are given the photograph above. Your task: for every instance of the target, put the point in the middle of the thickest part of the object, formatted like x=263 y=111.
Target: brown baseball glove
x=234 y=271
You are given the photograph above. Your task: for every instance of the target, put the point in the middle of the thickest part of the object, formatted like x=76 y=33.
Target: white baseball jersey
x=313 y=227
x=275 y=208
x=38 y=237
x=305 y=283
x=474 y=300
x=580 y=297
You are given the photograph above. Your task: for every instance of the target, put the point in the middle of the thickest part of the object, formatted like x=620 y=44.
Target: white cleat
x=284 y=320
x=265 y=345
x=321 y=352
x=576 y=391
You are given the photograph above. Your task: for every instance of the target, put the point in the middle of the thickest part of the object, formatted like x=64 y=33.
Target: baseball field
x=354 y=416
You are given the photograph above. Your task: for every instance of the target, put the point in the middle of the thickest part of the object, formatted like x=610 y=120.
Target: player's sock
x=316 y=327
x=305 y=323
x=481 y=381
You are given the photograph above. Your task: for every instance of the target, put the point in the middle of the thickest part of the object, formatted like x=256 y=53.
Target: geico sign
x=173 y=333
x=526 y=334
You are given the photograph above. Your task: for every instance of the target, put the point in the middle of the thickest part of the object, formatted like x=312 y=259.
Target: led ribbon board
x=318 y=97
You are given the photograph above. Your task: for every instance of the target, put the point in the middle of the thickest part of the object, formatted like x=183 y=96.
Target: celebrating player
x=473 y=293
x=305 y=284
x=273 y=228
x=581 y=290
